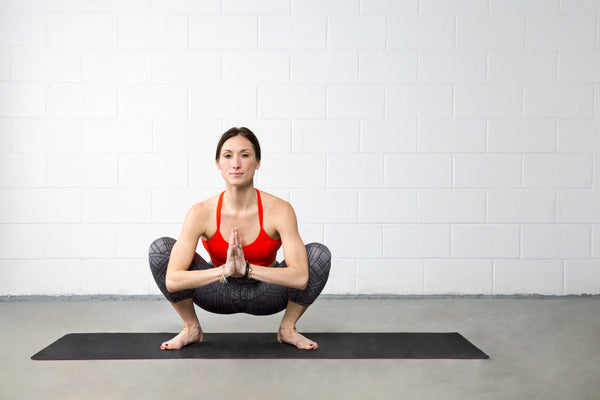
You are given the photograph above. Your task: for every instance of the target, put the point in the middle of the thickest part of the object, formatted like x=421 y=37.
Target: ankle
x=287 y=327
x=192 y=326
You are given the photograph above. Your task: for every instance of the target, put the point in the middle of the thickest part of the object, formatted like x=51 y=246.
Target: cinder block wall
x=435 y=146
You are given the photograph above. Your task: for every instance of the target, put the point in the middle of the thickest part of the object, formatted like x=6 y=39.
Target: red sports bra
x=262 y=251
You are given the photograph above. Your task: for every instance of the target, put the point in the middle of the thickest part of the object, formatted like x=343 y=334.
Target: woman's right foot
x=189 y=335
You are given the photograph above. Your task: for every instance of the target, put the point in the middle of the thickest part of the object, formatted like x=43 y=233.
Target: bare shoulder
x=203 y=208
x=279 y=215
x=201 y=216
x=274 y=206
x=280 y=219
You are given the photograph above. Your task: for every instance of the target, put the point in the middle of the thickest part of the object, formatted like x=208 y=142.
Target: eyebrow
x=231 y=151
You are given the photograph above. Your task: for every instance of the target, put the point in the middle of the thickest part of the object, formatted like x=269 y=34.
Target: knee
x=320 y=252
x=162 y=245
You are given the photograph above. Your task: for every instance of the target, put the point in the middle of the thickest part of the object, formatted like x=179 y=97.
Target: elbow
x=303 y=282
x=171 y=285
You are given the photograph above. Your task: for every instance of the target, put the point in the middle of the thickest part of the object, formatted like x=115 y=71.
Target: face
x=237 y=161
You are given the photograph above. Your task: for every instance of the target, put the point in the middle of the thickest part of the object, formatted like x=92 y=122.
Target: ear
x=257 y=164
x=217 y=164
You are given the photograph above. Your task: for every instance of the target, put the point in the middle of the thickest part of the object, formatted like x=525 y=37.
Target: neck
x=239 y=198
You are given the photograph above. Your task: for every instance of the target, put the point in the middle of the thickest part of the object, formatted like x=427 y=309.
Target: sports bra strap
x=260 y=210
x=220 y=204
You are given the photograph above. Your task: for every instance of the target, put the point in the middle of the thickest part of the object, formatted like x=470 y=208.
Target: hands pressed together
x=235 y=265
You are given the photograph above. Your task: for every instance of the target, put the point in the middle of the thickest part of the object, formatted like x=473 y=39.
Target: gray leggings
x=238 y=294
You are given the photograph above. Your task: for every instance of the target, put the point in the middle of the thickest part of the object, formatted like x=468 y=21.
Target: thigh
x=262 y=298
x=216 y=297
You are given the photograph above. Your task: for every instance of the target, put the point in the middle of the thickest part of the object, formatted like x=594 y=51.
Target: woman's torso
x=258 y=246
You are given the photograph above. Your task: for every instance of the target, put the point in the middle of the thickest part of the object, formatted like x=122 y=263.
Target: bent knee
x=319 y=250
x=162 y=245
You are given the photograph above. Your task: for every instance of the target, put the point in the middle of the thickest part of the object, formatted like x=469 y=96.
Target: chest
x=248 y=226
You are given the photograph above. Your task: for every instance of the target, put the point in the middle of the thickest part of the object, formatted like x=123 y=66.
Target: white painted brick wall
x=324 y=66
x=354 y=241
x=452 y=136
x=355 y=171
x=4 y=63
x=435 y=146
x=374 y=206
x=93 y=100
x=563 y=241
x=408 y=280
x=22 y=99
x=333 y=136
x=517 y=65
x=289 y=32
x=462 y=66
x=108 y=65
x=421 y=31
x=5 y=135
x=45 y=135
x=452 y=205
x=426 y=101
x=83 y=30
x=521 y=205
x=116 y=136
x=537 y=276
x=356 y=32
x=156 y=30
x=417 y=241
x=400 y=136
x=337 y=206
x=559 y=100
x=485 y=241
x=487 y=170
x=557 y=171
x=153 y=101
x=458 y=276
x=220 y=101
x=355 y=102
x=291 y=101
x=422 y=170
x=522 y=136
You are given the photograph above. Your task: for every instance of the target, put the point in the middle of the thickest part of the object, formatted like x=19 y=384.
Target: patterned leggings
x=242 y=295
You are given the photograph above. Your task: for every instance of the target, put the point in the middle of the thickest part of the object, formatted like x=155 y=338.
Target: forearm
x=292 y=277
x=184 y=279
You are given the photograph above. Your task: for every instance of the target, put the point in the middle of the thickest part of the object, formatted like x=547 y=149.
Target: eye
x=246 y=155
x=227 y=156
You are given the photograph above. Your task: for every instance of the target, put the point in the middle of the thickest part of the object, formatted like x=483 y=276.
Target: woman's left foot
x=291 y=336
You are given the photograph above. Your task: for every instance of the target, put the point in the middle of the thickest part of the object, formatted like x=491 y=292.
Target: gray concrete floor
x=539 y=348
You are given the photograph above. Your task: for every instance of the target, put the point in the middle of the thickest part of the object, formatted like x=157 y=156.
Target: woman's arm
x=178 y=277
x=294 y=252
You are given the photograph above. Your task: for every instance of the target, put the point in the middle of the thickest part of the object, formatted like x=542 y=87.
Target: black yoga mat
x=128 y=346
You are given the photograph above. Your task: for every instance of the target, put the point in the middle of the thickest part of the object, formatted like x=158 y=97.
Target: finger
x=232 y=238
x=231 y=248
x=238 y=242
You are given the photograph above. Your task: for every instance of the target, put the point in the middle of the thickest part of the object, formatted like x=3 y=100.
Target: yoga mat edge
x=261 y=345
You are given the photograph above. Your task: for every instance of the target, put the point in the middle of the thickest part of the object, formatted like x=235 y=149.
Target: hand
x=240 y=260
x=236 y=263
x=229 y=266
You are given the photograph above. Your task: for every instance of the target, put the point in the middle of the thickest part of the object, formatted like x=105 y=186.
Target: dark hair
x=244 y=132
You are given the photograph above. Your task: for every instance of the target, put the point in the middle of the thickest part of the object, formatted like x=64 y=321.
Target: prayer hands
x=236 y=262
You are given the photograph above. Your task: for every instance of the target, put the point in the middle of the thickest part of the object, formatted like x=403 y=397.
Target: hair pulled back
x=242 y=131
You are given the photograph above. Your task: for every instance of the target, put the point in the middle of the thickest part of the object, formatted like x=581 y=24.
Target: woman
x=244 y=275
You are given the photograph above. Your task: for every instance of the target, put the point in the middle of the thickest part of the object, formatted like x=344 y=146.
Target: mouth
x=236 y=174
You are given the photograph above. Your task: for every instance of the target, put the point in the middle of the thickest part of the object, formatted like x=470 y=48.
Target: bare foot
x=291 y=336
x=187 y=336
